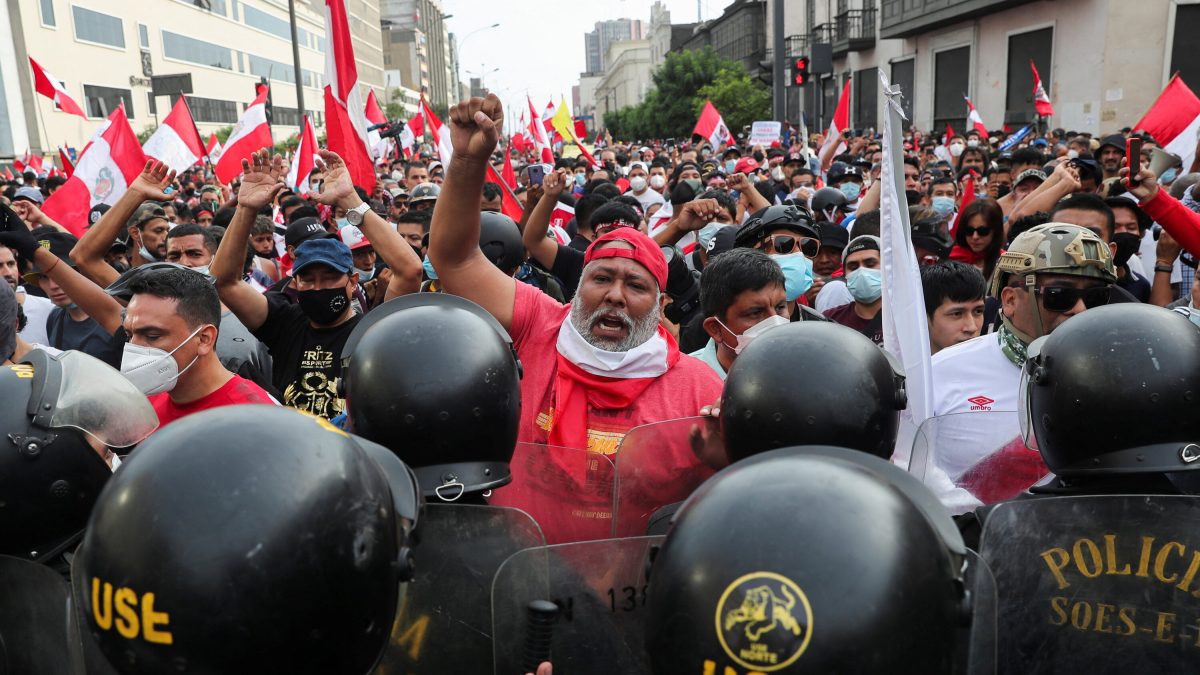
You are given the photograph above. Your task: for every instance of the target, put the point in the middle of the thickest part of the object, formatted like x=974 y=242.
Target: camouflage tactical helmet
x=1051 y=248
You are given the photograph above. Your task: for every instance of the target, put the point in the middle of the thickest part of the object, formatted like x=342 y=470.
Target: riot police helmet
x=828 y=198
x=62 y=415
x=780 y=217
x=451 y=411
x=808 y=560
x=1114 y=390
x=248 y=539
x=500 y=241
x=838 y=388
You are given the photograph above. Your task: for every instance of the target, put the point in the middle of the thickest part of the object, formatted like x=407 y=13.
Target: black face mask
x=323 y=306
x=1002 y=190
x=269 y=255
x=1127 y=244
x=914 y=197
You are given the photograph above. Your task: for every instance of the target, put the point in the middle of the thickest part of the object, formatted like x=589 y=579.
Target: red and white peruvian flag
x=305 y=159
x=1041 y=101
x=103 y=172
x=249 y=135
x=176 y=142
x=380 y=147
x=712 y=127
x=441 y=140
x=562 y=214
x=840 y=123
x=413 y=129
x=65 y=158
x=213 y=148
x=538 y=133
x=51 y=87
x=974 y=118
x=345 y=112
x=1174 y=120
x=547 y=115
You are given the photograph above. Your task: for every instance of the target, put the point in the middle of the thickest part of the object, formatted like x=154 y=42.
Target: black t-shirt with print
x=307 y=361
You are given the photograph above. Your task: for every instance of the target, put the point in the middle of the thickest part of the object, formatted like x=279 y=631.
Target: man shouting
x=594 y=368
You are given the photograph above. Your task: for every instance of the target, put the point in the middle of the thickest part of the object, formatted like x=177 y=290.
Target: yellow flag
x=563 y=123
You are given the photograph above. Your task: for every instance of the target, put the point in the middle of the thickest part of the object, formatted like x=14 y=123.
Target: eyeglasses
x=981 y=231
x=786 y=243
x=1063 y=298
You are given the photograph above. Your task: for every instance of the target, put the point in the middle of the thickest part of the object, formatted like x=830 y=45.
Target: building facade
x=739 y=33
x=105 y=53
x=939 y=51
x=596 y=43
x=625 y=81
x=414 y=32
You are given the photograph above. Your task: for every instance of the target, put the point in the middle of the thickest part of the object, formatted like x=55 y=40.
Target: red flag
x=509 y=205
x=35 y=163
x=250 y=134
x=49 y=86
x=1006 y=129
x=974 y=119
x=537 y=133
x=562 y=214
x=967 y=198
x=949 y=134
x=213 y=148
x=68 y=165
x=414 y=129
x=304 y=161
x=373 y=112
x=440 y=139
x=711 y=126
x=19 y=165
x=104 y=171
x=509 y=176
x=380 y=147
x=345 y=112
x=1173 y=120
x=839 y=124
x=176 y=142
x=518 y=141
x=580 y=129
x=1041 y=101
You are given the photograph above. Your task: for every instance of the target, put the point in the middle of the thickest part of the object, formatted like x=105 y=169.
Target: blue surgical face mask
x=707 y=233
x=865 y=284
x=730 y=166
x=428 y=268
x=851 y=190
x=797 y=274
x=942 y=206
x=1168 y=176
x=580 y=179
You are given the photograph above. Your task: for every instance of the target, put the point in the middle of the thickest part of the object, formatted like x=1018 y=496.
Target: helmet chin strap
x=1031 y=287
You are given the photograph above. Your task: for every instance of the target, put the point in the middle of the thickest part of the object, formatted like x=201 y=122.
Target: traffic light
x=800 y=71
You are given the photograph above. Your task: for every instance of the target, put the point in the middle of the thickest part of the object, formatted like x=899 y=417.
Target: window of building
x=99 y=28
x=288 y=117
x=47 y=10
x=151 y=104
x=191 y=50
x=213 y=110
x=275 y=70
x=952 y=79
x=829 y=101
x=256 y=18
x=101 y=101
x=865 y=104
x=233 y=7
x=903 y=76
x=143 y=36
x=1033 y=46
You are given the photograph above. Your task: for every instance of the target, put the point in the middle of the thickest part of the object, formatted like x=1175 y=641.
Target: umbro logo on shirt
x=980 y=403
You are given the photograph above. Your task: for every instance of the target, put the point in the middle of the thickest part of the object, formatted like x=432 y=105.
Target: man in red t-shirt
x=595 y=368
x=171 y=324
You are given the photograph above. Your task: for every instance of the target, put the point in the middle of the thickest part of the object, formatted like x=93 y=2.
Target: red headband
x=646 y=252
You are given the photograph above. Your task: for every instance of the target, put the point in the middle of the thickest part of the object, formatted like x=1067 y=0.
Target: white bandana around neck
x=648 y=359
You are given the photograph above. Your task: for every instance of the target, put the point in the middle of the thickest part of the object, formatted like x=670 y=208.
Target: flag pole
x=45 y=133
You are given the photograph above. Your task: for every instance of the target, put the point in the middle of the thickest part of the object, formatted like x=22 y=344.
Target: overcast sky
x=540 y=52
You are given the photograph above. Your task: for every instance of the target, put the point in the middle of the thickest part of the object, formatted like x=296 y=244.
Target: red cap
x=745 y=165
x=646 y=252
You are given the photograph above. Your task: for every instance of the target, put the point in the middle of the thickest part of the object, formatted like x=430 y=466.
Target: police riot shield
x=980 y=642
x=37 y=634
x=657 y=465
x=567 y=491
x=444 y=618
x=580 y=606
x=975 y=458
x=1096 y=584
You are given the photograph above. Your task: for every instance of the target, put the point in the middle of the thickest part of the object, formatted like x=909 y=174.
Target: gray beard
x=639 y=330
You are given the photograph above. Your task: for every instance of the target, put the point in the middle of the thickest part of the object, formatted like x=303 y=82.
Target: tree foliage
x=681 y=85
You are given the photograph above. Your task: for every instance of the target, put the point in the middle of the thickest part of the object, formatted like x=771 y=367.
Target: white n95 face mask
x=152 y=370
x=744 y=340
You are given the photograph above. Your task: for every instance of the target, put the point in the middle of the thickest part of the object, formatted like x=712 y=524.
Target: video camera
x=388 y=129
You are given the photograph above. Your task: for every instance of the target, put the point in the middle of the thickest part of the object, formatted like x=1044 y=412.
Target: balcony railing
x=906 y=18
x=796 y=45
x=853 y=30
x=822 y=33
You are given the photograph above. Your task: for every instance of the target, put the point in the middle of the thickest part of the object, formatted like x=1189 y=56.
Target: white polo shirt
x=975 y=376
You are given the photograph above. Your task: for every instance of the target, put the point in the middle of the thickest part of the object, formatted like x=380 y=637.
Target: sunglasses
x=1063 y=298
x=981 y=231
x=786 y=243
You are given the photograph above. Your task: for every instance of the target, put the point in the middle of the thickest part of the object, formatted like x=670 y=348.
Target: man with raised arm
x=305 y=338
x=594 y=368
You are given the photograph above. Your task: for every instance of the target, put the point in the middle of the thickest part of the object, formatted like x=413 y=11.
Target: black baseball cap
x=303 y=229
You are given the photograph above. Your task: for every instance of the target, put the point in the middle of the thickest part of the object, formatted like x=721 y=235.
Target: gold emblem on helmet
x=764 y=621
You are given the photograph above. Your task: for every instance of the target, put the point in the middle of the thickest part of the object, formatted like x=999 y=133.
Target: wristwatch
x=355 y=215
